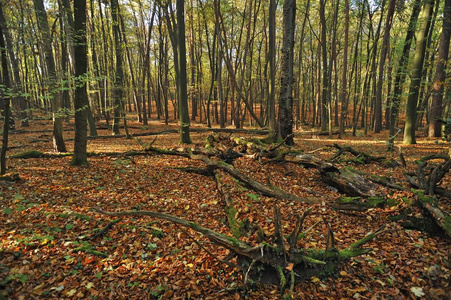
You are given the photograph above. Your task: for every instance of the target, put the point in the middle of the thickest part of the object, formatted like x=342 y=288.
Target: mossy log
x=430 y=204
x=271 y=263
x=257 y=186
x=247 y=181
x=428 y=182
x=348 y=181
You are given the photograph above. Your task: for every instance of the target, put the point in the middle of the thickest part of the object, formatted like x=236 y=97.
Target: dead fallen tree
x=263 y=189
x=348 y=181
x=361 y=157
x=427 y=176
x=430 y=204
x=279 y=260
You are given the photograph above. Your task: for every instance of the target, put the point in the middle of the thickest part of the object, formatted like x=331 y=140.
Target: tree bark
x=440 y=74
x=380 y=79
x=182 y=78
x=286 y=82
x=81 y=95
x=5 y=106
x=272 y=70
x=119 y=74
x=415 y=74
x=41 y=16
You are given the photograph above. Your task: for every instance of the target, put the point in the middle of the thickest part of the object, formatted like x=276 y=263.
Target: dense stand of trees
x=346 y=64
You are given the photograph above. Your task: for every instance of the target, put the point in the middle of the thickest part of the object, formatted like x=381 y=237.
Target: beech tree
x=81 y=97
x=440 y=74
x=52 y=79
x=286 y=81
x=415 y=73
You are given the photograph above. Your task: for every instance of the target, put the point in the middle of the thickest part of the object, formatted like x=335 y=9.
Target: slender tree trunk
x=415 y=73
x=15 y=68
x=343 y=91
x=286 y=82
x=182 y=78
x=325 y=87
x=272 y=70
x=41 y=16
x=6 y=102
x=118 y=78
x=440 y=74
x=383 y=56
x=81 y=95
x=400 y=76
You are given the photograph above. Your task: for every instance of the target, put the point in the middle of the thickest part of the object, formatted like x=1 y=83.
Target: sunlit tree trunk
x=181 y=77
x=41 y=16
x=400 y=76
x=440 y=74
x=383 y=56
x=415 y=73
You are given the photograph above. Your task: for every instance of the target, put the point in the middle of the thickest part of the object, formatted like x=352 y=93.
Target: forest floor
x=46 y=225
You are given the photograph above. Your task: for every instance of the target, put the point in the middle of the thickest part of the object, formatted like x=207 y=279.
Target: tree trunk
x=286 y=81
x=400 y=77
x=6 y=105
x=181 y=77
x=41 y=16
x=415 y=73
x=81 y=95
x=343 y=91
x=325 y=87
x=440 y=74
x=272 y=70
x=380 y=79
x=15 y=68
x=118 y=78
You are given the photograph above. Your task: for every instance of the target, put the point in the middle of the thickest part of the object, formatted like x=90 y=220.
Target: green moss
x=406 y=200
x=392 y=202
x=371 y=202
x=424 y=198
x=283 y=280
x=349 y=200
x=234 y=241
x=29 y=154
x=375 y=201
x=194 y=226
x=348 y=253
x=447 y=224
x=311 y=260
x=234 y=227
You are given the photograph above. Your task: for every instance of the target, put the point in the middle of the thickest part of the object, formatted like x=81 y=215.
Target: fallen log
x=267 y=262
x=257 y=186
x=430 y=204
x=348 y=181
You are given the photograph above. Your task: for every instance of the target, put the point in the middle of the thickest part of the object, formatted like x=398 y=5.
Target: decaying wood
x=257 y=186
x=307 y=160
x=267 y=263
x=366 y=158
x=430 y=204
x=348 y=181
x=427 y=177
